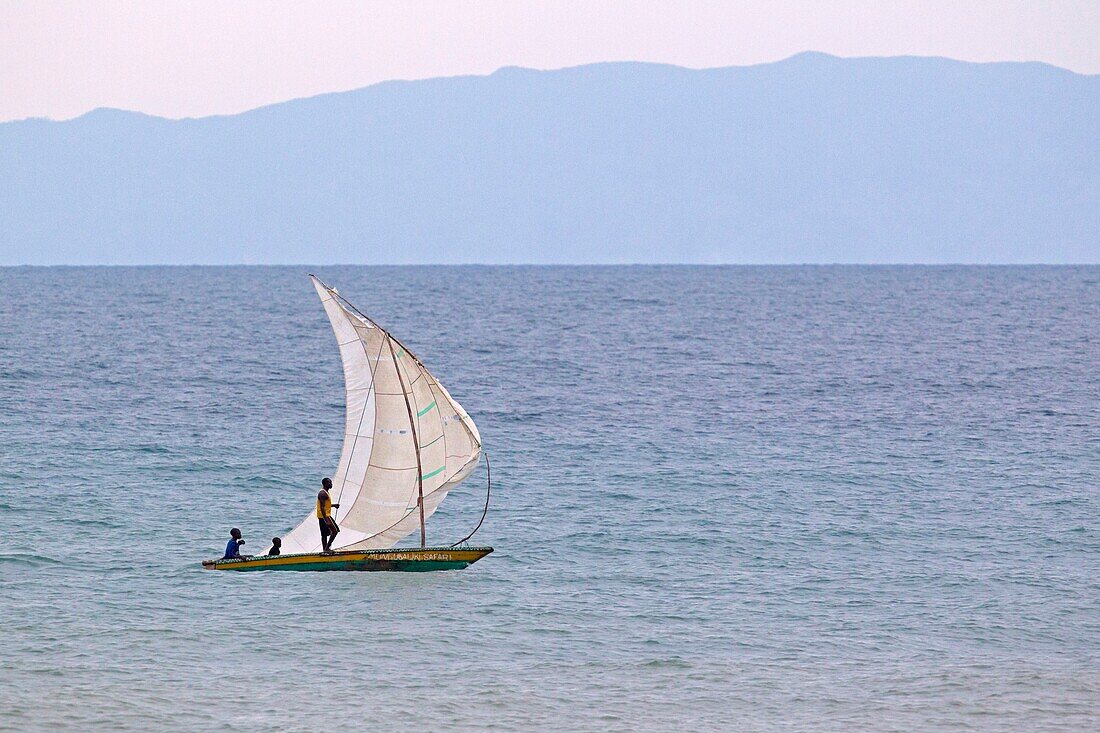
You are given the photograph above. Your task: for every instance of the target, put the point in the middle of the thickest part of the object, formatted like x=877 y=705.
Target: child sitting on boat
x=233 y=548
x=276 y=545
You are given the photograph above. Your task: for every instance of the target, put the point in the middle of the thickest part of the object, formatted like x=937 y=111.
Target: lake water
x=724 y=498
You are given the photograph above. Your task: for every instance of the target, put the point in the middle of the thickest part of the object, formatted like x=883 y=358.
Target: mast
x=416 y=441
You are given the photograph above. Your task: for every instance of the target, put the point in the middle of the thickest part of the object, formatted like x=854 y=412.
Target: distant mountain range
x=811 y=159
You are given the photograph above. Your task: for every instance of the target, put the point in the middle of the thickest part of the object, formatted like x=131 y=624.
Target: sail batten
x=404 y=436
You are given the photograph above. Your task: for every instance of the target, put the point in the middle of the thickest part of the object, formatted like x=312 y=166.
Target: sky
x=59 y=59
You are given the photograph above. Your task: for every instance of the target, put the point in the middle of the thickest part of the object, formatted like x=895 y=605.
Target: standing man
x=329 y=530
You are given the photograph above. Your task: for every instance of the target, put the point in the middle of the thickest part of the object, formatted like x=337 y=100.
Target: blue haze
x=812 y=159
x=725 y=498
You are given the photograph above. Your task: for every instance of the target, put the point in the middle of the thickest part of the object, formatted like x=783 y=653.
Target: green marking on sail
x=433 y=473
x=423 y=412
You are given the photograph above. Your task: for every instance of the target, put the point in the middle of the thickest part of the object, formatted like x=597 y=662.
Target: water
x=724 y=499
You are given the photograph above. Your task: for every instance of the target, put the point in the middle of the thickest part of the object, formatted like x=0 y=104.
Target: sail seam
x=390 y=468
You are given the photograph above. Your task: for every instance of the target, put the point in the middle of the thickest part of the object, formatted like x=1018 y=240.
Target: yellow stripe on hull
x=406 y=560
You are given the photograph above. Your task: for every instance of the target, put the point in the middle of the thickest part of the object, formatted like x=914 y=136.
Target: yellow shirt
x=324 y=505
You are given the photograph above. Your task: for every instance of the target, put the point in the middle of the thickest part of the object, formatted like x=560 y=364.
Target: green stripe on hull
x=405 y=566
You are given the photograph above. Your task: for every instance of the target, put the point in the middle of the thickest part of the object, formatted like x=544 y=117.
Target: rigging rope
x=488 y=489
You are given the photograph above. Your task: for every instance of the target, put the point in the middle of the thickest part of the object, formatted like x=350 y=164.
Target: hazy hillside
x=812 y=159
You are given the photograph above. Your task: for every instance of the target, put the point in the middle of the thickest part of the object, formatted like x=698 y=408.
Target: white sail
x=376 y=482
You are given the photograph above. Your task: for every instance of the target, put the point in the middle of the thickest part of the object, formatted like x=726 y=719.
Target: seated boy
x=233 y=548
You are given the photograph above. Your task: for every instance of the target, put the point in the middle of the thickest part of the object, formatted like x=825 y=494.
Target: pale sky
x=62 y=58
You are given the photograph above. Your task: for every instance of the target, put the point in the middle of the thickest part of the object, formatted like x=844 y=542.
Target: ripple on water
x=723 y=499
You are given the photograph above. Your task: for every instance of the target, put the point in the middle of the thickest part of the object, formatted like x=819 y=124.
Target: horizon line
x=567 y=264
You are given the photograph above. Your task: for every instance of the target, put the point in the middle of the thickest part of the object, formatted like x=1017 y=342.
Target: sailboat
x=407 y=443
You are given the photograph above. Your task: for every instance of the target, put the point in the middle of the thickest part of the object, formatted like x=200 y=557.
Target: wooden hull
x=403 y=560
